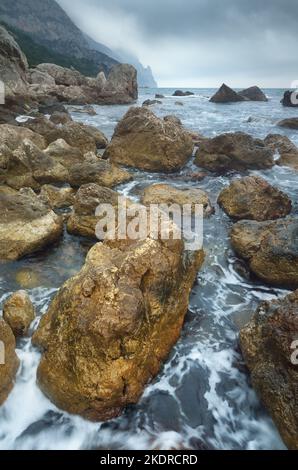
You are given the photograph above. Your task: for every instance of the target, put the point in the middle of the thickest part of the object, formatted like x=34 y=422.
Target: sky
x=199 y=43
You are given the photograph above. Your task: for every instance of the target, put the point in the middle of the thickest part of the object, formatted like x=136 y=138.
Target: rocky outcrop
x=266 y=343
x=13 y=65
x=14 y=136
x=144 y=141
x=286 y=149
x=237 y=151
x=57 y=198
x=26 y=226
x=183 y=93
x=290 y=99
x=291 y=123
x=72 y=87
x=270 y=248
x=83 y=220
x=127 y=308
x=253 y=93
x=85 y=138
x=167 y=194
x=9 y=362
x=226 y=95
x=19 y=313
x=254 y=198
x=151 y=102
x=100 y=172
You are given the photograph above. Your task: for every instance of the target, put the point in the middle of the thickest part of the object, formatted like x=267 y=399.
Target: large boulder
x=84 y=137
x=83 y=220
x=236 y=151
x=57 y=198
x=287 y=150
x=270 y=248
x=127 y=306
x=290 y=123
x=62 y=75
x=28 y=166
x=121 y=85
x=144 y=141
x=13 y=65
x=167 y=194
x=225 y=94
x=9 y=362
x=254 y=198
x=14 y=136
x=19 y=312
x=27 y=225
x=100 y=172
x=267 y=346
x=290 y=99
x=253 y=93
x=39 y=77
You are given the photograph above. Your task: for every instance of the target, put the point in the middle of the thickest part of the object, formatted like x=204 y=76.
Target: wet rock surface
x=19 y=313
x=10 y=367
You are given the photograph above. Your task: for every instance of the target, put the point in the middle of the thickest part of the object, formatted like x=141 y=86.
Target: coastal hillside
x=46 y=34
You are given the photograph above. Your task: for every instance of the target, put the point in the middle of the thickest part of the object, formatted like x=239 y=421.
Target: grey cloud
x=221 y=39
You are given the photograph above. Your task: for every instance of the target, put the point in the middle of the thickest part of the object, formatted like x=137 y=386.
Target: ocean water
x=202 y=398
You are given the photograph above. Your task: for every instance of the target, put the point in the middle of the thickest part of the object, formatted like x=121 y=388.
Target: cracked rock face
x=270 y=248
x=266 y=343
x=110 y=327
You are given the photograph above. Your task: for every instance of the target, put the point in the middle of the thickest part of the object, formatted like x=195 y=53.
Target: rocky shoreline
x=110 y=327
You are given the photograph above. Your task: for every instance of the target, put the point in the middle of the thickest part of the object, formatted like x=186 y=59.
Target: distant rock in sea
x=226 y=95
x=183 y=93
x=254 y=93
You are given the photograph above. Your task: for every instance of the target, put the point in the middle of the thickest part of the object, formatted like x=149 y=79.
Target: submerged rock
x=287 y=150
x=253 y=93
x=27 y=225
x=225 y=94
x=9 y=362
x=291 y=123
x=254 y=198
x=127 y=308
x=267 y=346
x=183 y=93
x=235 y=151
x=19 y=313
x=270 y=248
x=144 y=141
x=151 y=102
x=166 y=194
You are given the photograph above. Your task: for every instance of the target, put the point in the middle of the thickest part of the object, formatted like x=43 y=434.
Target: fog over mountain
x=199 y=42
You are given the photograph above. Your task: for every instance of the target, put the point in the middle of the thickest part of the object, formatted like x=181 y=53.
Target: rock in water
x=253 y=93
x=166 y=194
x=27 y=225
x=287 y=150
x=270 y=248
x=144 y=141
x=82 y=220
x=235 y=151
x=226 y=95
x=266 y=343
x=290 y=99
x=110 y=327
x=19 y=313
x=183 y=93
x=254 y=198
x=291 y=123
x=9 y=362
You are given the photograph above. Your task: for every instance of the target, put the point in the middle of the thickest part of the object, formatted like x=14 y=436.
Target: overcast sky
x=199 y=43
